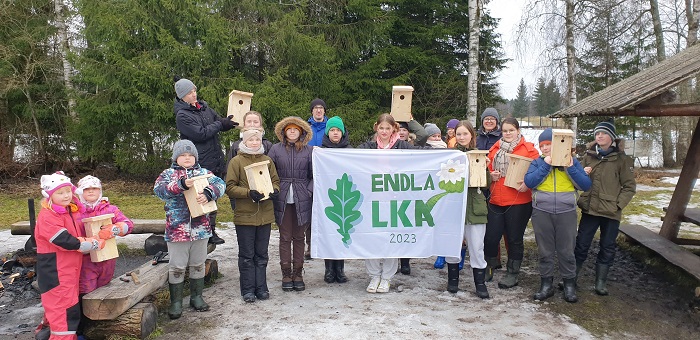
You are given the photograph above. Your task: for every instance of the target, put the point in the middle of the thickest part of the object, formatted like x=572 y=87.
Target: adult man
x=317 y=121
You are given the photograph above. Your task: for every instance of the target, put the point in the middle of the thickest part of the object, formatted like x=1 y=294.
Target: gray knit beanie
x=184 y=146
x=183 y=87
x=490 y=112
x=431 y=129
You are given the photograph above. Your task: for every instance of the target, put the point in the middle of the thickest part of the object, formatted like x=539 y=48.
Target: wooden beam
x=684 y=188
x=672 y=110
x=687 y=241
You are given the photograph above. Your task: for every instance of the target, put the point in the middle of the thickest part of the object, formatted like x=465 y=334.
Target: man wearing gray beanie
x=200 y=124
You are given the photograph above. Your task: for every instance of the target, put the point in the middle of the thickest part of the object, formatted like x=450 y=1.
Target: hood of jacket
x=306 y=135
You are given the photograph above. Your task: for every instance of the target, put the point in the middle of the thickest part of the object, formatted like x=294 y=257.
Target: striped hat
x=607 y=127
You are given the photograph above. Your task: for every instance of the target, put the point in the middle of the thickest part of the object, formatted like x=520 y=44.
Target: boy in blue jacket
x=554 y=196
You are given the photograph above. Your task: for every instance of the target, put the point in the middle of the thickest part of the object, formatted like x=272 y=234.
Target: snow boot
x=261 y=290
x=340 y=271
x=196 y=300
x=452 y=277
x=546 y=289
x=287 y=284
x=511 y=278
x=601 y=278
x=175 y=311
x=463 y=255
x=297 y=278
x=570 y=290
x=329 y=276
x=491 y=263
x=481 y=290
x=439 y=262
x=406 y=266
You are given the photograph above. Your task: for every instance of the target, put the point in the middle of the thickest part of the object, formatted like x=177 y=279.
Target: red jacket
x=502 y=195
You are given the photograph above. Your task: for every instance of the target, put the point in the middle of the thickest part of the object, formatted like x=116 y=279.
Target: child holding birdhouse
x=253 y=214
x=186 y=235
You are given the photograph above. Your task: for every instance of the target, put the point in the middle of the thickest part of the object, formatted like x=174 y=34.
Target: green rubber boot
x=175 y=311
x=511 y=278
x=196 y=300
x=601 y=278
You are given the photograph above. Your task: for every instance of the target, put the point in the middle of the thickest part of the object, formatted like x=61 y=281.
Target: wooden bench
x=672 y=252
x=691 y=215
x=141 y=226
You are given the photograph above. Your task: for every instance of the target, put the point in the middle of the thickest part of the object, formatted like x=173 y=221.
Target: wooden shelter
x=649 y=93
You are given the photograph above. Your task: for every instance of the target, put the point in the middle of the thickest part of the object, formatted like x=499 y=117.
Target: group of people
x=548 y=196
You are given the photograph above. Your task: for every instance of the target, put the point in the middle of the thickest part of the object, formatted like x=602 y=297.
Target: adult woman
x=292 y=157
x=509 y=209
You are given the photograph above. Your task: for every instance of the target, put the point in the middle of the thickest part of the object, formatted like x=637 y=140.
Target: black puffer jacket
x=400 y=144
x=294 y=169
x=202 y=126
x=343 y=143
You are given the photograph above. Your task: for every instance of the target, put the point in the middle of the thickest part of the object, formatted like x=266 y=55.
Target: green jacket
x=476 y=202
x=248 y=212
x=613 y=184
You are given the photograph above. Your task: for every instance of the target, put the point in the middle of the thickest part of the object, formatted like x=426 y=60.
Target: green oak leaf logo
x=344 y=211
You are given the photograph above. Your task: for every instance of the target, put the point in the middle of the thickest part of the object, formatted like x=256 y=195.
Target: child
x=474 y=224
x=554 y=217
x=336 y=136
x=450 y=138
x=612 y=175
x=186 y=236
x=434 y=136
x=60 y=250
x=381 y=271
x=292 y=157
x=253 y=216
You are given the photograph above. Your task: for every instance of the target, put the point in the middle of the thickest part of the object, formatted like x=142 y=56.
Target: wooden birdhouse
x=401 y=97
x=259 y=178
x=92 y=228
x=517 y=168
x=196 y=209
x=477 y=168
x=238 y=104
x=562 y=142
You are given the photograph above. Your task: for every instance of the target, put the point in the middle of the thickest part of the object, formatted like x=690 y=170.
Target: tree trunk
x=62 y=40
x=666 y=129
x=473 y=77
x=687 y=125
x=137 y=322
x=571 y=62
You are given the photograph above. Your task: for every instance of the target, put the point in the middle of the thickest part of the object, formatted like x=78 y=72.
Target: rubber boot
x=439 y=262
x=491 y=263
x=546 y=290
x=406 y=266
x=570 y=290
x=479 y=283
x=511 y=278
x=452 y=277
x=175 y=311
x=601 y=278
x=287 y=284
x=297 y=278
x=340 y=271
x=214 y=239
x=329 y=276
x=463 y=255
x=196 y=299
x=578 y=270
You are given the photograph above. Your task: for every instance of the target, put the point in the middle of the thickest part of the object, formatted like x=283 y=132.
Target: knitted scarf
x=437 y=144
x=243 y=148
x=392 y=140
x=500 y=161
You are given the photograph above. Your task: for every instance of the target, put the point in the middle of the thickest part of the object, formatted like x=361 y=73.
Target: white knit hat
x=88 y=182
x=53 y=182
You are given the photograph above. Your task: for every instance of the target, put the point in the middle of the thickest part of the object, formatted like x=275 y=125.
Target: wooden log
x=110 y=301
x=141 y=226
x=211 y=270
x=137 y=322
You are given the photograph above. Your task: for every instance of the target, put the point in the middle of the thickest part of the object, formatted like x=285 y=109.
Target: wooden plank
x=691 y=215
x=672 y=252
x=684 y=188
x=687 y=241
x=110 y=301
x=141 y=226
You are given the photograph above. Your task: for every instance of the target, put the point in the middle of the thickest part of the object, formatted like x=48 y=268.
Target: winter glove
x=111 y=230
x=274 y=194
x=255 y=195
x=88 y=243
x=227 y=123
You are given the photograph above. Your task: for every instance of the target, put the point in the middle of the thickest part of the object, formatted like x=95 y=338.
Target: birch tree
x=473 y=79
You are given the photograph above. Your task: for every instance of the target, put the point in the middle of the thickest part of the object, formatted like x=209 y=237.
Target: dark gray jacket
x=202 y=127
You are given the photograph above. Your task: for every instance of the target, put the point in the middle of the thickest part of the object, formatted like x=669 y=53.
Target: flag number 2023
x=403 y=238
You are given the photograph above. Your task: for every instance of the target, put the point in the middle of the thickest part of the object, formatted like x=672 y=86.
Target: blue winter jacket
x=318 y=129
x=554 y=189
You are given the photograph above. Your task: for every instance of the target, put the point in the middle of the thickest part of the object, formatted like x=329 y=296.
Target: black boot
x=546 y=289
x=601 y=278
x=479 y=277
x=578 y=270
x=570 y=290
x=214 y=239
x=329 y=277
x=340 y=271
x=261 y=290
x=406 y=266
x=511 y=278
x=453 y=277
x=491 y=265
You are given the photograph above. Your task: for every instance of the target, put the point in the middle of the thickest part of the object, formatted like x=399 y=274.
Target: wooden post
x=684 y=188
x=401 y=97
x=517 y=168
x=562 y=142
x=238 y=104
x=477 y=168
x=92 y=228
x=196 y=209
x=259 y=178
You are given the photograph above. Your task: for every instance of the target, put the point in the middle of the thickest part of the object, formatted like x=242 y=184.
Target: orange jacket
x=502 y=195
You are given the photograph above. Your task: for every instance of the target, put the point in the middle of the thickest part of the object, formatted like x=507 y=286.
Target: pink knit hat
x=53 y=182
